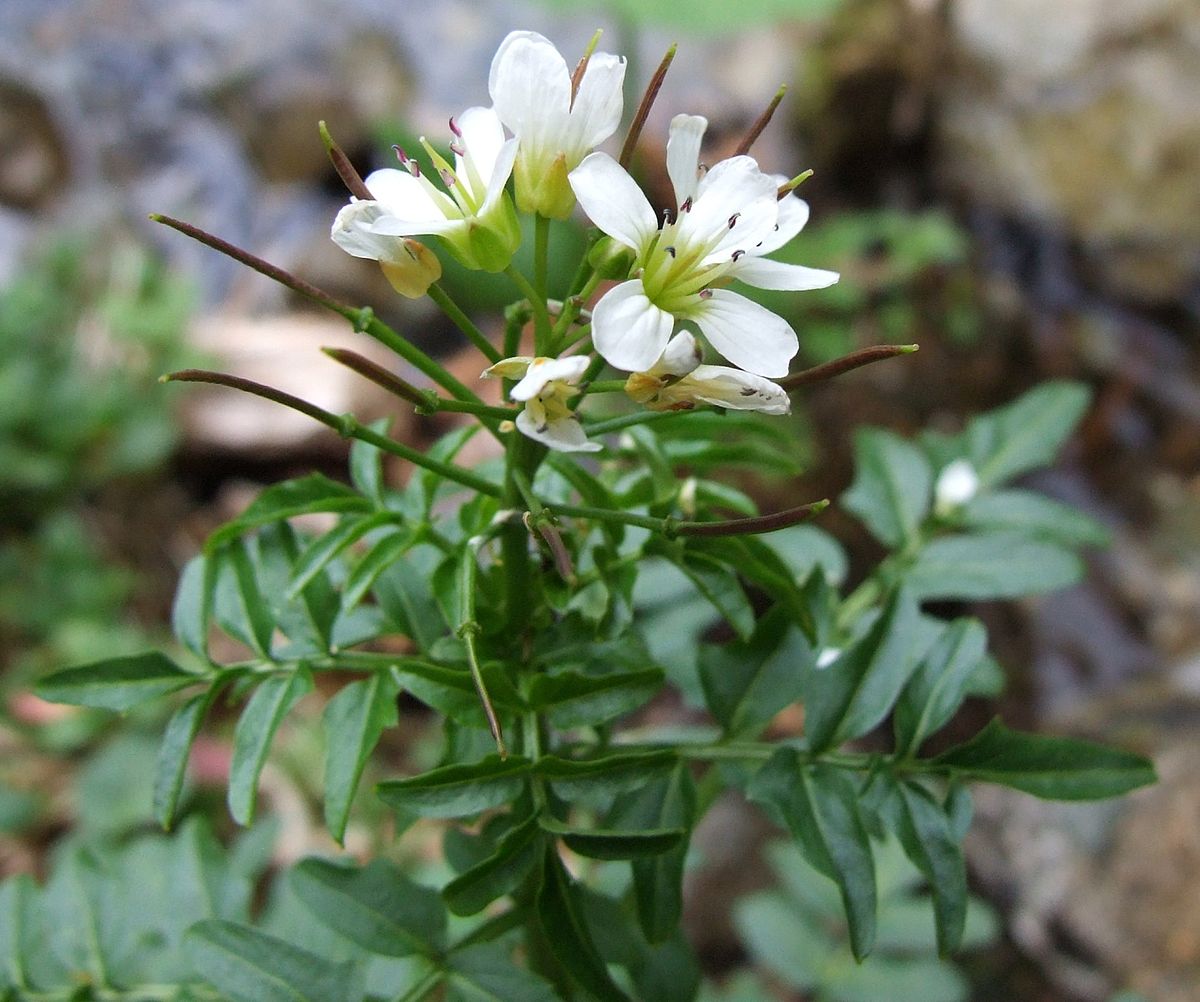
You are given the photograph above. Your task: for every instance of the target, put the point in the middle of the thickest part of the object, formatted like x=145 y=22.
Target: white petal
x=545 y=370
x=403 y=196
x=483 y=138
x=736 y=191
x=351 y=232
x=530 y=87
x=750 y=336
x=596 y=112
x=628 y=330
x=683 y=155
x=743 y=391
x=501 y=171
x=613 y=201
x=765 y=274
x=562 y=435
x=680 y=357
x=793 y=214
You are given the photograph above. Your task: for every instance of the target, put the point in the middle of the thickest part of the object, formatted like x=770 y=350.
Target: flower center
x=673 y=272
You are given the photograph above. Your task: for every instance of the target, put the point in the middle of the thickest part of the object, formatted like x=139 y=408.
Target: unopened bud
x=611 y=259
x=957 y=484
x=413 y=269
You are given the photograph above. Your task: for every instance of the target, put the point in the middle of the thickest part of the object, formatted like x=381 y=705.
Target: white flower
x=726 y=219
x=677 y=381
x=957 y=484
x=408 y=265
x=473 y=216
x=530 y=87
x=546 y=384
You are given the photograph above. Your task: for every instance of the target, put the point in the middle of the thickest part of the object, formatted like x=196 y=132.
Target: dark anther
x=737 y=254
x=400 y=154
x=670 y=250
x=687 y=205
x=733 y=219
x=454 y=127
x=666 y=217
x=706 y=293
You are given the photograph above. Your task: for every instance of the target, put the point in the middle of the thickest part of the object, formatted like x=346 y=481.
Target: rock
x=1081 y=115
x=33 y=167
x=284 y=352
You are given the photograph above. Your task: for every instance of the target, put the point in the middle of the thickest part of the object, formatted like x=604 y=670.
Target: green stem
x=463 y=322
x=345 y=425
x=541 y=254
x=541 y=313
x=624 y=421
x=364 y=319
x=672 y=527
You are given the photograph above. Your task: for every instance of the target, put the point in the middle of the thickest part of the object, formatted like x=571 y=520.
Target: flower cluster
x=542 y=132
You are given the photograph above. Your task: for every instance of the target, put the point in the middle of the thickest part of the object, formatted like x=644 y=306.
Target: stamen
x=737 y=254
x=666 y=214
x=458 y=150
x=687 y=205
x=733 y=219
x=454 y=127
x=448 y=178
x=705 y=293
x=669 y=250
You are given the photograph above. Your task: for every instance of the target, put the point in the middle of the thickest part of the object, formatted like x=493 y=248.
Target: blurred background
x=1013 y=185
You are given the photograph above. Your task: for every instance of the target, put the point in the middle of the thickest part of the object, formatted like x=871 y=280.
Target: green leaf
x=252 y=736
x=452 y=692
x=850 y=697
x=116 y=683
x=563 y=925
x=375 y=906
x=990 y=566
x=454 y=791
x=1025 y=434
x=747 y=683
x=819 y=805
x=249 y=966
x=303 y=496
x=354 y=719
x=603 y=775
x=253 y=607
x=669 y=802
x=1029 y=514
x=720 y=587
x=1054 y=768
x=927 y=835
x=606 y=843
x=382 y=555
x=17 y=908
x=328 y=545
x=486 y=973
x=192 y=608
x=780 y=939
x=892 y=487
x=939 y=684
x=517 y=852
x=572 y=699
x=173 y=753
x=366 y=464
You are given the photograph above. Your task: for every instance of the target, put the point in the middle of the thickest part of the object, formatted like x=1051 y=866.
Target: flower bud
x=488 y=242
x=412 y=270
x=542 y=186
x=957 y=484
x=611 y=258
